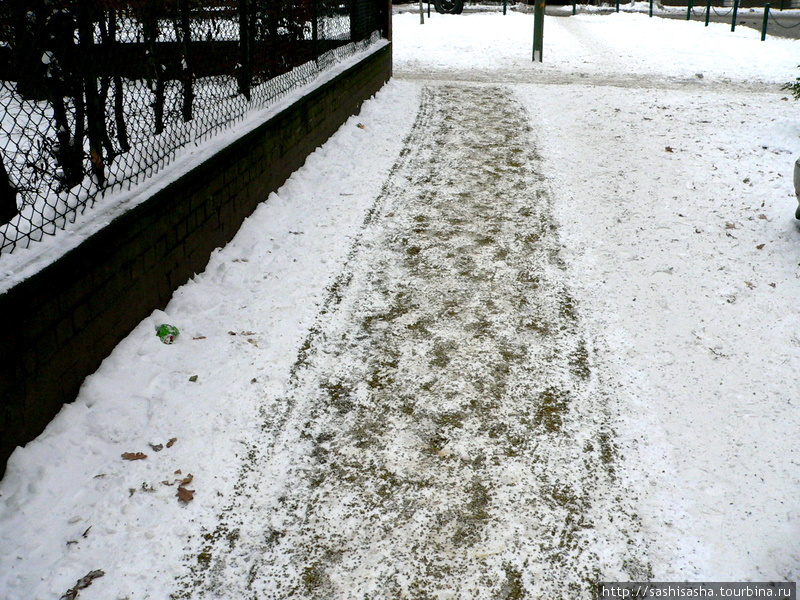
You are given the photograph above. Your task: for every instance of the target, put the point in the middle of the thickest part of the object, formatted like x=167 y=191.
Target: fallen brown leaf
x=81 y=584
x=134 y=455
x=669 y=149
x=185 y=495
x=730 y=225
x=171 y=442
x=760 y=246
x=199 y=337
x=187 y=480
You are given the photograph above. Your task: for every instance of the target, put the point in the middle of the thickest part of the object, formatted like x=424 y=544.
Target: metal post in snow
x=574 y=7
x=315 y=28
x=504 y=6
x=735 y=12
x=421 y=14
x=617 y=6
x=245 y=73
x=689 y=11
x=651 y=8
x=8 y=197
x=764 y=24
x=708 y=11
x=538 y=28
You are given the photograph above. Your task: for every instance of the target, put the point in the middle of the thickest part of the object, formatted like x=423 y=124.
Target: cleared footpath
x=449 y=434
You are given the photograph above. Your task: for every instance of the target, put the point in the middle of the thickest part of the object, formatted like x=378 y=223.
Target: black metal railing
x=99 y=94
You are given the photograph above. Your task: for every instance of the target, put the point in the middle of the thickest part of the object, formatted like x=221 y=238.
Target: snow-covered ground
x=648 y=271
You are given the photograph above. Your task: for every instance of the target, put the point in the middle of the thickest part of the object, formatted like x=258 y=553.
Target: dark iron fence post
x=708 y=11
x=735 y=12
x=315 y=27
x=8 y=197
x=764 y=24
x=29 y=42
x=148 y=18
x=60 y=80
x=119 y=93
x=357 y=19
x=186 y=62
x=95 y=114
x=689 y=11
x=245 y=66
x=386 y=18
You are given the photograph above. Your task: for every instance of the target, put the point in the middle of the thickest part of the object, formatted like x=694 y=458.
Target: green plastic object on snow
x=167 y=333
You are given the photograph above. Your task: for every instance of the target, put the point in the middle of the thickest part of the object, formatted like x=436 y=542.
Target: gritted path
x=444 y=433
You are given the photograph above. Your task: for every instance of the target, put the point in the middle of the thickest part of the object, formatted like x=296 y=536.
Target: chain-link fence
x=97 y=94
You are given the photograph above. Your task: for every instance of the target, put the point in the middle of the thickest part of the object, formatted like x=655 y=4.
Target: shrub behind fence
x=102 y=93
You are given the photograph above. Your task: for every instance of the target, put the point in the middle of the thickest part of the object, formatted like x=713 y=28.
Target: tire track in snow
x=443 y=435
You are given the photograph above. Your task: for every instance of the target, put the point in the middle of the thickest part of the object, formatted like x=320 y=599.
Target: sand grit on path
x=451 y=437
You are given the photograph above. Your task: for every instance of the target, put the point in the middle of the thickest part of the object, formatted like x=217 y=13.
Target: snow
x=673 y=239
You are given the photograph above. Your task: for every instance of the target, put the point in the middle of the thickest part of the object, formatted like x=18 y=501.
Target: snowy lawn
x=647 y=272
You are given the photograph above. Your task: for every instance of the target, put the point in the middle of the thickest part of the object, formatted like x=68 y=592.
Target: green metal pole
x=538 y=30
x=764 y=25
x=651 y=8
x=504 y=6
x=708 y=11
x=617 y=5
x=689 y=11
x=574 y=7
x=735 y=12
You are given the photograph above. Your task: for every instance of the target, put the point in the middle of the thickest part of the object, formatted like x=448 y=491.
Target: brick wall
x=61 y=323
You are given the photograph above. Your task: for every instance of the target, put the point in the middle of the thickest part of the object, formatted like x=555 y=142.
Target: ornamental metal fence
x=100 y=94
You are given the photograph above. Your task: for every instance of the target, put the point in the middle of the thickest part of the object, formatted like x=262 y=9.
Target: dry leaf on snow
x=185 y=495
x=82 y=583
x=134 y=455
